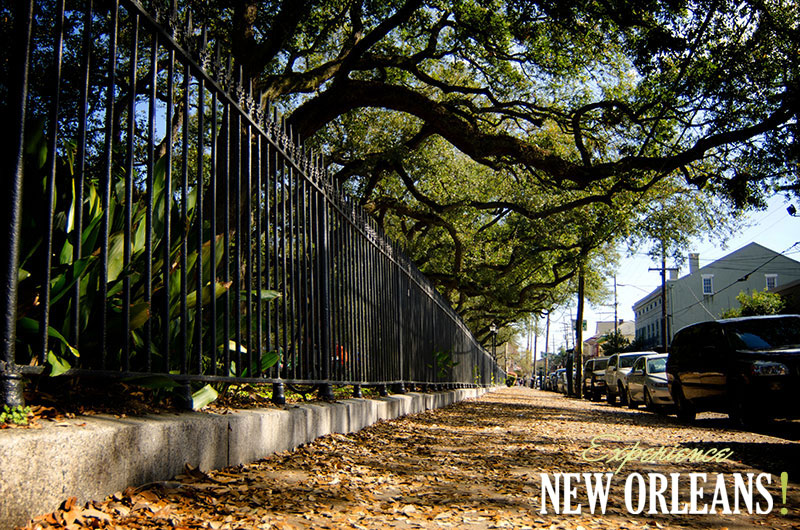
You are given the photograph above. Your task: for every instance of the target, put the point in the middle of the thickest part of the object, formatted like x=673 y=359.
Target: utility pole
x=546 y=340
x=663 y=271
x=579 y=332
x=535 y=341
x=616 y=320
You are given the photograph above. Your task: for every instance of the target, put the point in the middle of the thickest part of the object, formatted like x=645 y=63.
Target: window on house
x=772 y=280
x=708 y=284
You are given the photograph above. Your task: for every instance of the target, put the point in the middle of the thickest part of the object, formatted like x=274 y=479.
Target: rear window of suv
x=764 y=334
x=627 y=361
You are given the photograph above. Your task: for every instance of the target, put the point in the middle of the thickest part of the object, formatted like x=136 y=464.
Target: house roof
x=656 y=293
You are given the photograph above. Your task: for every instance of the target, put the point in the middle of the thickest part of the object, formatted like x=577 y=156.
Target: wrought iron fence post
x=383 y=391
x=11 y=384
x=357 y=391
x=278 y=395
x=325 y=387
x=184 y=395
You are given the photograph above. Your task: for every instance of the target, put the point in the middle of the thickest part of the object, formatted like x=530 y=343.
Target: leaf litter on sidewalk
x=474 y=464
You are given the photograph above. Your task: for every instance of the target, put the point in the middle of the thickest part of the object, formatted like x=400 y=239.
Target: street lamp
x=493 y=331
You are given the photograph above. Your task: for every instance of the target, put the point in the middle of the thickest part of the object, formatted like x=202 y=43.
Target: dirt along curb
x=92 y=457
x=475 y=464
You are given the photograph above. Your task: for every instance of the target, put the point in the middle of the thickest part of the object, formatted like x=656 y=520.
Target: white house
x=707 y=291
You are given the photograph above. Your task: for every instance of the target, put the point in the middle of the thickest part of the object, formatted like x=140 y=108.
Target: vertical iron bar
x=399 y=296
x=281 y=174
x=271 y=243
x=275 y=173
x=345 y=361
x=126 y=288
x=373 y=356
x=166 y=265
x=212 y=220
x=107 y=180
x=375 y=302
x=302 y=258
x=354 y=293
x=151 y=168
x=358 y=321
x=268 y=248
x=198 y=216
x=326 y=391
x=334 y=247
x=10 y=377
x=237 y=237
x=51 y=179
x=259 y=231
x=80 y=164
x=351 y=299
x=319 y=364
x=247 y=199
x=226 y=254
x=292 y=272
x=184 y=220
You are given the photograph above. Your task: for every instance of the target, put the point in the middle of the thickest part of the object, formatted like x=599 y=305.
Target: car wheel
x=623 y=395
x=742 y=414
x=596 y=395
x=631 y=403
x=611 y=398
x=648 y=400
x=686 y=411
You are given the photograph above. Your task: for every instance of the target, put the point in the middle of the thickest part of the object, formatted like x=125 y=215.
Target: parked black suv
x=748 y=367
x=594 y=378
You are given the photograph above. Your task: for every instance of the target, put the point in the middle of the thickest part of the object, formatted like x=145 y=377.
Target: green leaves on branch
x=755 y=303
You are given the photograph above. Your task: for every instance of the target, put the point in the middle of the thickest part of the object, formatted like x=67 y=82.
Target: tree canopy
x=505 y=141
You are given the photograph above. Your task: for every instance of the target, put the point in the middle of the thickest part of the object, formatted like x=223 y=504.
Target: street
x=483 y=464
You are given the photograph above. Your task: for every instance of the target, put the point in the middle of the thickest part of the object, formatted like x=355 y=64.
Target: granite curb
x=93 y=457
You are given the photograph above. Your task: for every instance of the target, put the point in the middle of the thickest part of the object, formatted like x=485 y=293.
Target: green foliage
x=755 y=303
x=504 y=143
x=77 y=279
x=443 y=364
x=613 y=342
x=476 y=374
x=203 y=397
x=15 y=415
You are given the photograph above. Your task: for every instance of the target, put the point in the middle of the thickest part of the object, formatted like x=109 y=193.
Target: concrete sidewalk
x=479 y=464
x=93 y=457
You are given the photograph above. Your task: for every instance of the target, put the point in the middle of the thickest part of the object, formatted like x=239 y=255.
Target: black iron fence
x=159 y=222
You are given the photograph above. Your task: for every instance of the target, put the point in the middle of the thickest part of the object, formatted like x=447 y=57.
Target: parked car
x=647 y=382
x=552 y=381
x=561 y=380
x=618 y=366
x=574 y=382
x=748 y=367
x=594 y=378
